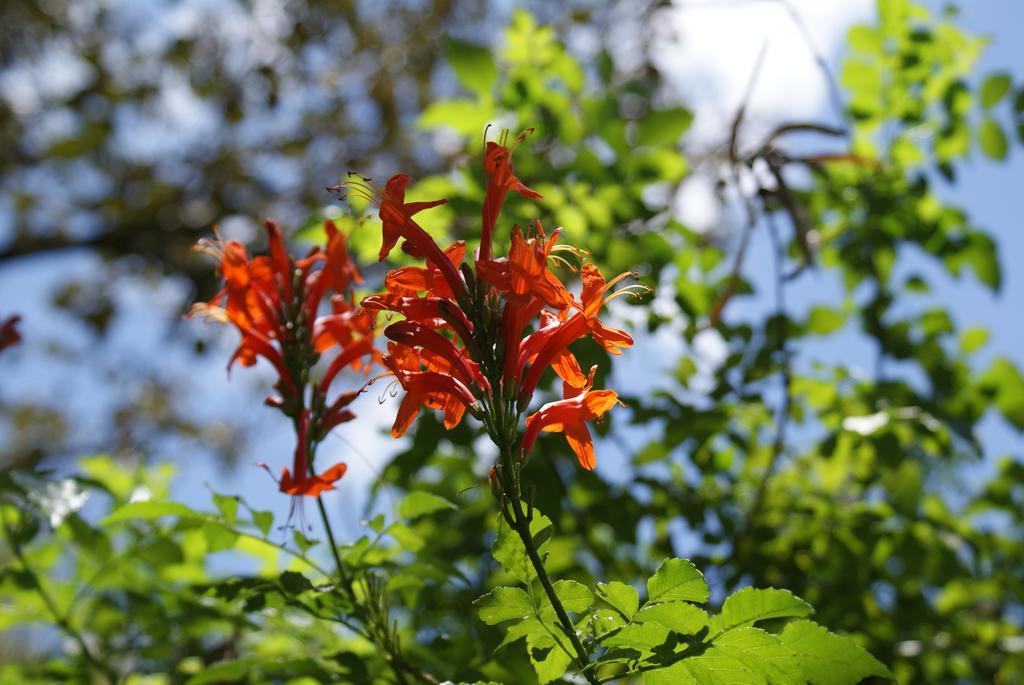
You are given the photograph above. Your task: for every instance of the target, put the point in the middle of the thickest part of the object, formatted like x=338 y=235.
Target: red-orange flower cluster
x=479 y=337
x=275 y=303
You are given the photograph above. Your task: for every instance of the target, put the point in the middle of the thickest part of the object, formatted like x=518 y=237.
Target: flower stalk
x=479 y=337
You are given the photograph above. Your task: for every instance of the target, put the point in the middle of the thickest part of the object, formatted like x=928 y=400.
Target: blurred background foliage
x=774 y=465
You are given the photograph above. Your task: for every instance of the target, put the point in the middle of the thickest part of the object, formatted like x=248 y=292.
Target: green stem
x=390 y=652
x=522 y=527
x=342 y=571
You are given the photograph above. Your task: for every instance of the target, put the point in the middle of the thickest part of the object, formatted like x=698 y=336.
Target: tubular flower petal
x=412 y=333
x=498 y=165
x=409 y=280
x=431 y=389
x=300 y=481
x=581 y=323
x=340 y=267
x=569 y=416
x=397 y=222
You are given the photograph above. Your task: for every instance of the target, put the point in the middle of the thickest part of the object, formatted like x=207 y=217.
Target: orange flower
x=525 y=275
x=304 y=483
x=412 y=333
x=432 y=389
x=583 y=322
x=409 y=280
x=275 y=303
x=9 y=335
x=569 y=416
x=435 y=312
x=397 y=222
x=338 y=263
x=498 y=165
x=491 y=305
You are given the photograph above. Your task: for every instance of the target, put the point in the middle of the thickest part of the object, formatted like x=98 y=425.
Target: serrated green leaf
x=150 y=510
x=574 y=596
x=750 y=605
x=663 y=127
x=550 y=659
x=473 y=65
x=622 y=597
x=508 y=549
x=643 y=637
x=679 y=617
x=827 y=658
x=504 y=604
x=677 y=580
x=994 y=88
x=420 y=503
x=761 y=653
x=517 y=631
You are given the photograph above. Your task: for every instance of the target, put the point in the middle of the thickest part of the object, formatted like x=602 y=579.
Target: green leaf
x=994 y=88
x=263 y=520
x=150 y=510
x=302 y=542
x=827 y=658
x=406 y=537
x=992 y=139
x=473 y=65
x=663 y=127
x=679 y=617
x=677 y=580
x=420 y=503
x=228 y=507
x=1004 y=381
x=218 y=536
x=750 y=605
x=224 y=671
x=549 y=658
x=294 y=582
x=622 y=597
x=463 y=116
x=91 y=540
x=504 y=604
x=574 y=596
x=508 y=549
x=972 y=339
x=643 y=637
x=748 y=656
x=517 y=631
x=981 y=255
x=762 y=653
x=161 y=552
x=824 y=320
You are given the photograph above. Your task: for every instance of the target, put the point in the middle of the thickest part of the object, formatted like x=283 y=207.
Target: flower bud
x=495 y=482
